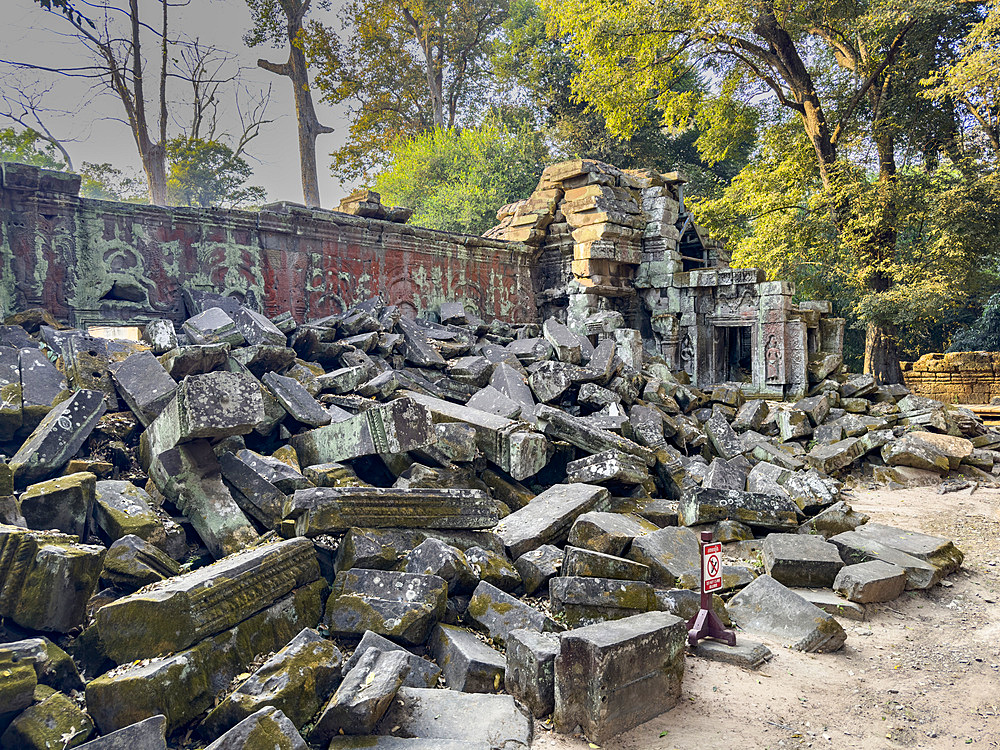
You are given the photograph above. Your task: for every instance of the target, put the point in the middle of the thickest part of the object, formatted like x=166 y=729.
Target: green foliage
x=29 y=147
x=403 y=69
x=456 y=179
x=108 y=183
x=983 y=334
x=208 y=173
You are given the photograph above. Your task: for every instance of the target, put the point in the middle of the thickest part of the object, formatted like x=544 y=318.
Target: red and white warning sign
x=711 y=567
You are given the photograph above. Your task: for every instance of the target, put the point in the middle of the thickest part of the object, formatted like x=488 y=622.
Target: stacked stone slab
x=955 y=377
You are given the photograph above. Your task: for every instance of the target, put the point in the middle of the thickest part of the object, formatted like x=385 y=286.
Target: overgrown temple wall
x=88 y=261
x=955 y=378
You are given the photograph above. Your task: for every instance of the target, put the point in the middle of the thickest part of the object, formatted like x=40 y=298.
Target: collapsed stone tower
x=614 y=242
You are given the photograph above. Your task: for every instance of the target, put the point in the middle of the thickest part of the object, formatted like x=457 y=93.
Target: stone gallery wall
x=955 y=378
x=90 y=261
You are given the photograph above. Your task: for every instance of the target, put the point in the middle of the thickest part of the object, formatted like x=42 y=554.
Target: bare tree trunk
x=296 y=70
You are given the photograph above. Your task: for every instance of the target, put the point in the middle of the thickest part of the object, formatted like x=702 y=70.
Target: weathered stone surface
x=938 y=551
x=916 y=453
x=399 y=426
x=422 y=673
x=144 y=385
x=189 y=608
x=608 y=467
x=267 y=729
x=611 y=533
x=55 y=721
x=213 y=326
x=537 y=566
x=766 y=511
x=562 y=426
x=750 y=416
x=194 y=360
x=745 y=654
x=548 y=518
x=296 y=400
x=434 y=557
x=46 y=578
x=857 y=548
x=255 y=495
x=769 y=609
x=589 y=564
x=723 y=438
x=10 y=393
x=397 y=605
x=874 y=581
x=375 y=742
x=727 y=475
x=184 y=685
x=323 y=510
x=490 y=400
x=363 y=697
x=17 y=688
x=147 y=734
x=673 y=557
x=835 y=456
x=132 y=562
x=498 y=613
x=801 y=560
x=611 y=677
x=62 y=504
x=42 y=387
x=566 y=344
x=505 y=443
x=444 y=715
x=468 y=664
x=586 y=600
x=530 y=672
x=121 y=508
x=377 y=549
x=493 y=567
x=831 y=521
x=287 y=478
x=833 y=604
x=57 y=438
x=727 y=530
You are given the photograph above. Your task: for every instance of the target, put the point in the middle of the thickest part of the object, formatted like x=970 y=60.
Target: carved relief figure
x=772 y=359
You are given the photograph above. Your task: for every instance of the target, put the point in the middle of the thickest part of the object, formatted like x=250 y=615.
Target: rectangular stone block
x=613 y=676
x=708 y=506
x=184 y=610
x=549 y=516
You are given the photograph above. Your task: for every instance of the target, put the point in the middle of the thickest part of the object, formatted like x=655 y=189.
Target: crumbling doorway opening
x=733 y=353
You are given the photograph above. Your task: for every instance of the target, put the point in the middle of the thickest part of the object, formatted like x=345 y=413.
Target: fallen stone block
x=587 y=600
x=148 y=734
x=17 y=689
x=609 y=466
x=723 y=438
x=538 y=566
x=46 y=578
x=831 y=521
x=213 y=326
x=498 y=613
x=575 y=431
x=266 y=729
x=43 y=387
x=769 y=609
x=286 y=477
x=801 y=560
x=833 y=604
x=708 y=506
x=189 y=608
x=52 y=667
x=836 y=456
x=323 y=510
x=132 y=562
x=11 y=409
x=296 y=400
x=938 y=551
x=144 y=385
x=915 y=453
x=589 y=564
x=874 y=581
x=530 y=672
x=729 y=475
x=194 y=360
x=399 y=426
x=610 y=533
x=434 y=557
x=672 y=555
x=184 y=685
x=493 y=567
x=396 y=605
x=121 y=508
x=614 y=676
x=750 y=416
x=57 y=438
x=64 y=504
x=548 y=518
x=363 y=697
x=745 y=654
x=55 y=721
x=567 y=345
x=490 y=400
x=468 y=664
x=255 y=495
x=857 y=548
x=422 y=673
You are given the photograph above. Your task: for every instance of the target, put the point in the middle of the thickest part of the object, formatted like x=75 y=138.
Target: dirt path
x=921 y=672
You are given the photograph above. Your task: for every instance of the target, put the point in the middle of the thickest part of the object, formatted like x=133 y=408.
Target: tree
x=844 y=71
x=209 y=173
x=404 y=68
x=280 y=22
x=29 y=147
x=456 y=179
x=108 y=183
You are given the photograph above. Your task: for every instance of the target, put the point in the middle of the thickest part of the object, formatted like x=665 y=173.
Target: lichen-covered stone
x=586 y=600
x=423 y=673
x=548 y=518
x=498 y=613
x=363 y=696
x=62 y=504
x=55 y=722
x=468 y=664
x=267 y=729
x=121 y=508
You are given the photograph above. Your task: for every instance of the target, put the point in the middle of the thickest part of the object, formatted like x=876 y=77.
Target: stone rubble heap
x=196 y=529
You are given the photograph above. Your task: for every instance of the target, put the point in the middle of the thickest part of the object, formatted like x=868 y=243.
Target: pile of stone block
x=247 y=528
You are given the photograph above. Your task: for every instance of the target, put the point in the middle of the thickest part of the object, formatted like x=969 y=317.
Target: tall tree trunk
x=309 y=127
x=881 y=338
x=154 y=164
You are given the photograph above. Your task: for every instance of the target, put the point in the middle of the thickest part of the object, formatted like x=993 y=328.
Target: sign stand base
x=706 y=623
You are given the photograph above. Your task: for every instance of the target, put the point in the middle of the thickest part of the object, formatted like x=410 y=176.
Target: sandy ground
x=920 y=672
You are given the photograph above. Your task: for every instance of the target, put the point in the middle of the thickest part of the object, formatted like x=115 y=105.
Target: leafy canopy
x=207 y=173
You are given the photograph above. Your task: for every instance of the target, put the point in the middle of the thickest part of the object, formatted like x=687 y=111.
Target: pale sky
x=32 y=35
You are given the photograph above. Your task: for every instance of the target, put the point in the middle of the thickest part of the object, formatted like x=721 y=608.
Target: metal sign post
x=706 y=624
